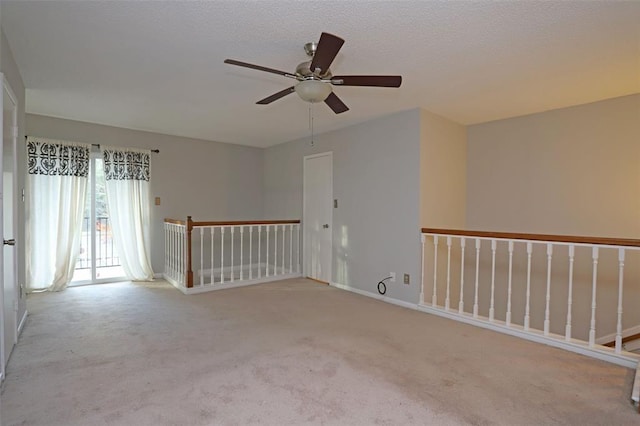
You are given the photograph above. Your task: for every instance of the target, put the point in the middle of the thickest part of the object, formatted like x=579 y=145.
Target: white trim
x=375 y=296
x=603 y=353
x=632 y=346
x=612 y=337
x=635 y=394
x=226 y=285
x=23 y=322
x=302 y=227
x=235 y=268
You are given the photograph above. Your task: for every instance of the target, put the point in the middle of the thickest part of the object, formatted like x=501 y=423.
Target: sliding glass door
x=98 y=261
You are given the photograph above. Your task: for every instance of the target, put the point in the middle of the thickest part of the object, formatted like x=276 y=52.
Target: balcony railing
x=105 y=255
x=205 y=256
x=564 y=291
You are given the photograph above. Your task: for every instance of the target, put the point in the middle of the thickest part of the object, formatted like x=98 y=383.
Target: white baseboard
x=196 y=289
x=612 y=337
x=375 y=296
x=22 y=322
x=635 y=394
x=599 y=352
x=236 y=270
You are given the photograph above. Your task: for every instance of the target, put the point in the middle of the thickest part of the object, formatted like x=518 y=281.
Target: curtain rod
x=157 y=151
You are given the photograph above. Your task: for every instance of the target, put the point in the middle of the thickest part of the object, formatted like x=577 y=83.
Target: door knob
x=325 y=226
x=11 y=242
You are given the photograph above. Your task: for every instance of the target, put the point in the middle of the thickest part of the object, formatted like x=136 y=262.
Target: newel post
x=189 y=270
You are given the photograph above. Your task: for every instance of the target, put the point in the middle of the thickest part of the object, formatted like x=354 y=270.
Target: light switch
x=335 y=203
x=157 y=201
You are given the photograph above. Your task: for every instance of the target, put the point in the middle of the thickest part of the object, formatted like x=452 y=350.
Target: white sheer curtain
x=56 y=189
x=127 y=173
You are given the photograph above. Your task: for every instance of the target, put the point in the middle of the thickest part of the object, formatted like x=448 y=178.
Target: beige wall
x=568 y=171
x=204 y=179
x=443 y=163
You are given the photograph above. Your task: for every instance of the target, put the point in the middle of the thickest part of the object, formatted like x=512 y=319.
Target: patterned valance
x=57 y=158
x=126 y=164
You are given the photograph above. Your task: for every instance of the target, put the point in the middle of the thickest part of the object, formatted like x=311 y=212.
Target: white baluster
x=298 y=248
x=222 y=255
x=267 y=251
x=447 y=300
x=461 y=302
x=241 y=253
x=592 y=328
x=172 y=255
x=493 y=280
x=290 y=249
x=169 y=250
x=422 y=241
x=213 y=279
x=548 y=297
x=475 y=300
x=567 y=329
x=232 y=263
x=527 y=311
x=183 y=254
x=284 y=231
x=434 y=297
x=259 y=251
x=251 y=252
x=620 y=285
x=275 y=250
x=509 y=285
x=201 y=273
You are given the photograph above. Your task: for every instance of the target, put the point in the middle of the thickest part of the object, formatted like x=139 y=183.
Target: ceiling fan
x=314 y=77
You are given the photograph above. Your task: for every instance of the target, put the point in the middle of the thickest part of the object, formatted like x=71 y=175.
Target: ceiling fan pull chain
x=311 y=120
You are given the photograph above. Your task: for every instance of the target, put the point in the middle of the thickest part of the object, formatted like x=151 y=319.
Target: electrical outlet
x=406 y=278
x=393 y=277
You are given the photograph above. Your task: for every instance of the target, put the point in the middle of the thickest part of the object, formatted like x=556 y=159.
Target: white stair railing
x=214 y=255
x=560 y=290
x=174 y=253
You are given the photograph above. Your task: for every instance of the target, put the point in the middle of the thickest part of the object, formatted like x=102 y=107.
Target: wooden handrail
x=624 y=340
x=246 y=222
x=175 y=221
x=232 y=223
x=627 y=242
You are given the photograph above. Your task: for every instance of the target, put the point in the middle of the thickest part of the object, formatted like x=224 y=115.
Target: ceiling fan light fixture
x=313 y=90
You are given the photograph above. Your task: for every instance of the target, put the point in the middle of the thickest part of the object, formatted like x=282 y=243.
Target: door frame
x=6 y=87
x=91 y=194
x=304 y=213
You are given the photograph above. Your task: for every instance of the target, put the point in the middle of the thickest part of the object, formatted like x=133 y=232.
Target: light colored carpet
x=289 y=352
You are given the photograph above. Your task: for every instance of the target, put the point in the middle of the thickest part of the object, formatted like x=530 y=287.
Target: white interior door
x=8 y=268
x=317 y=216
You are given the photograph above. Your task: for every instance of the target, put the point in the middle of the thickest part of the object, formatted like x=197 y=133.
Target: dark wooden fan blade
x=368 y=80
x=258 y=67
x=336 y=104
x=328 y=48
x=276 y=96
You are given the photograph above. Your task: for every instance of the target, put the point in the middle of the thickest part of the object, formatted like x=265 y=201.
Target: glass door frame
x=91 y=193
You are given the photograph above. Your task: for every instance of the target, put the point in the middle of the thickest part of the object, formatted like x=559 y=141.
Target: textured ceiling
x=158 y=66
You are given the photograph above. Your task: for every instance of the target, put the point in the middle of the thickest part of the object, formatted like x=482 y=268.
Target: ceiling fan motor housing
x=304 y=70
